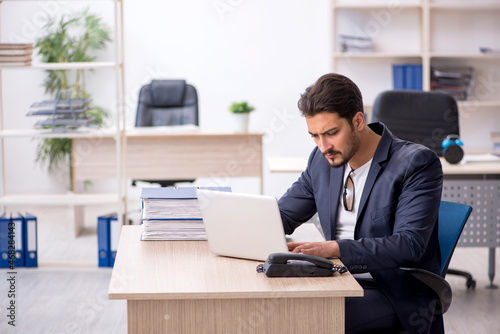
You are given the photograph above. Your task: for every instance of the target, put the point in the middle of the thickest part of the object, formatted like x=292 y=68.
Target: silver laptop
x=242 y=225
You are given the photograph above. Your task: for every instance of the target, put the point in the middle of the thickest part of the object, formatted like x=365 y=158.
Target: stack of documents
x=495 y=140
x=172 y=213
x=66 y=112
x=452 y=80
x=15 y=54
x=350 y=43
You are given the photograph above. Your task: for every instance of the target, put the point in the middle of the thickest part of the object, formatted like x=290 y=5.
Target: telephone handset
x=298 y=265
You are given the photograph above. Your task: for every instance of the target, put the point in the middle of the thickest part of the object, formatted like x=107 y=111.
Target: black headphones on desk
x=452 y=149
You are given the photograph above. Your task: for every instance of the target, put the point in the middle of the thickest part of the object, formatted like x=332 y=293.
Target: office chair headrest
x=167 y=93
x=419 y=116
x=418 y=104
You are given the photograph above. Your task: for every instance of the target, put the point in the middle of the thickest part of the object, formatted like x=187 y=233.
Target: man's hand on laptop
x=323 y=248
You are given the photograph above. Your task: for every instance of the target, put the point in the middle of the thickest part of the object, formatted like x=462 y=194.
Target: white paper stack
x=172 y=213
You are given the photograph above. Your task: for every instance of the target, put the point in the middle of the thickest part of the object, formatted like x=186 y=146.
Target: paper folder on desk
x=172 y=203
x=487 y=157
x=172 y=213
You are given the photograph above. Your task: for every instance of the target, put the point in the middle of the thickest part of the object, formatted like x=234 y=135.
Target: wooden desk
x=477 y=184
x=165 y=153
x=180 y=287
x=287 y=164
x=155 y=153
x=299 y=164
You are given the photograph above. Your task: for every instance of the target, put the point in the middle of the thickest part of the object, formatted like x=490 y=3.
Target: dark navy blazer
x=396 y=224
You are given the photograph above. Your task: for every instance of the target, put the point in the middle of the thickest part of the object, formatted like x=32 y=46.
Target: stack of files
x=18 y=241
x=350 y=43
x=485 y=49
x=495 y=140
x=64 y=113
x=407 y=76
x=15 y=54
x=108 y=235
x=452 y=80
x=30 y=240
x=172 y=213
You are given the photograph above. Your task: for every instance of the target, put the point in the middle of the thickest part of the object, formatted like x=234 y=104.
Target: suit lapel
x=336 y=176
x=370 y=180
x=381 y=155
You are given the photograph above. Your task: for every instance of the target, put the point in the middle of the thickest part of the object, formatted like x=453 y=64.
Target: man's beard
x=347 y=155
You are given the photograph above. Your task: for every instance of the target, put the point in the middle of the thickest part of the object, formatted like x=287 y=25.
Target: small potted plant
x=241 y=110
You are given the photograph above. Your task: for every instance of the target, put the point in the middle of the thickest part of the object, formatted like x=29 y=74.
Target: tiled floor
x=68 y=292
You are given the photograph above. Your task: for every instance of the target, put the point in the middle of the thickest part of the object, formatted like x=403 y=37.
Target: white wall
x=23 y=22
x=265 y=52
x=260 y=51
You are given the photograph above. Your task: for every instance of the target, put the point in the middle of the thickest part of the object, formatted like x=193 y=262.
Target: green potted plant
x=71 y=38
x=241 y=111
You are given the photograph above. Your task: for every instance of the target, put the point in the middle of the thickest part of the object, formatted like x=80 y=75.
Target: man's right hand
x=325 y=249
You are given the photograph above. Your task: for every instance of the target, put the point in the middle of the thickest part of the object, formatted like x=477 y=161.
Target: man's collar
x=386 y=138
x=378 y=128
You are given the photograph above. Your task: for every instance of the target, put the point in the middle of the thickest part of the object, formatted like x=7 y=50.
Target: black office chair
x=166 y=103
x=422 y=117
x=451 y=222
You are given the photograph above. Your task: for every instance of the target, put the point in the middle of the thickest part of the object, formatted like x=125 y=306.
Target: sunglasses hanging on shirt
x=348 y=194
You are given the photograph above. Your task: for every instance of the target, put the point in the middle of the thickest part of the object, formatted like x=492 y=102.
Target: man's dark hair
x=333 y=93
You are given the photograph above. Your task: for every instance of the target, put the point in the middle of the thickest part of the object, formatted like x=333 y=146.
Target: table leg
x=491 y=269
x=79 y=215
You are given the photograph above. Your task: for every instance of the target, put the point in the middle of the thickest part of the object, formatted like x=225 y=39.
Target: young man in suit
x=377 y=198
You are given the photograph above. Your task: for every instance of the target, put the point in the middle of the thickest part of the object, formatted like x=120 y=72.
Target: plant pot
x=241 y=122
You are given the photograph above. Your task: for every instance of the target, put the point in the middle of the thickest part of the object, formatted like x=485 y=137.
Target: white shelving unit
x=429 y=32
x=423 y=32
x=74 y=198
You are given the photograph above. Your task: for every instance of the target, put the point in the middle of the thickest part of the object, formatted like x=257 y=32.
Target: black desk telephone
x=298 y=265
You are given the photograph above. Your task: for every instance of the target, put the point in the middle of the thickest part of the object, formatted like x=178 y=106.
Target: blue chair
x=421 y=117
x=451 y=222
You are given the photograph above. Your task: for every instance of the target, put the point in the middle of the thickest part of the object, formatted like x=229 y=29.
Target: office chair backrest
x=167 y=102
x=452 y=219
x=164 y=103
x=421 y=117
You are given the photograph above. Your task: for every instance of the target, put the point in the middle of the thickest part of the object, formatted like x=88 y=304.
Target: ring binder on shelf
x=114 y=237
x=103 y=240
x=108 y=235
x=19 y=241
x=30 y=240
x=4 y=242
x=11 y=242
